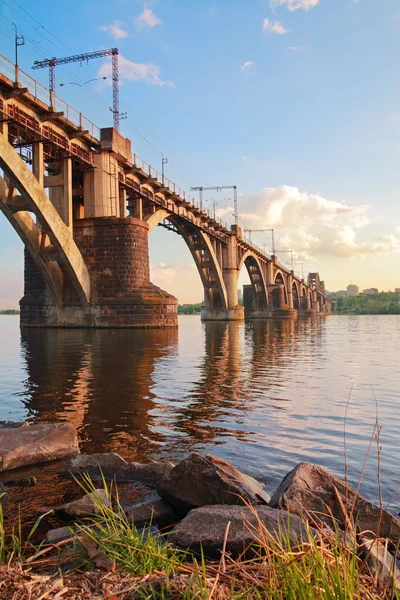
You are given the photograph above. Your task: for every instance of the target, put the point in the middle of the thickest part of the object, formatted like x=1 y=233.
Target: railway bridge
x=84 y=206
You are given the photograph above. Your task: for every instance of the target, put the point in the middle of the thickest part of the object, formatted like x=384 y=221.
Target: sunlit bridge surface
x=263 y=395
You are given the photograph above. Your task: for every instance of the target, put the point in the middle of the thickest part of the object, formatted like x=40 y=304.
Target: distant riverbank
x=384 y=303
x=9 y=311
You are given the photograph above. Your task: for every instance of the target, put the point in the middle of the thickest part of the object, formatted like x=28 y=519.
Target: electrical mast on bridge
x=218 y=188
x=272 y=231
x=53 y=62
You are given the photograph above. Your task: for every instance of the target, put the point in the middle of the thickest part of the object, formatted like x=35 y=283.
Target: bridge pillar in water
x=116 y=254
x=230 y=273
x=305 y=307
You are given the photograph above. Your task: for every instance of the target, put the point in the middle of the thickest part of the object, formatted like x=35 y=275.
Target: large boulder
x=113 y=466
x=30 y=445
x=313 y=492
x=203 y=529
x=202 y=480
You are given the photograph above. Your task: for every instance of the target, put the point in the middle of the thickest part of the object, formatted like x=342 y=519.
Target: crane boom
x=218 y=188
x=53 y=62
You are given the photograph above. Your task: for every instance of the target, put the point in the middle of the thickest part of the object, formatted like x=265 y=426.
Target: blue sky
x=297 y=102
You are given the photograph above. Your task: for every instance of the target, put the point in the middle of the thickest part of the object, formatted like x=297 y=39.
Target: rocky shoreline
x=206 y=504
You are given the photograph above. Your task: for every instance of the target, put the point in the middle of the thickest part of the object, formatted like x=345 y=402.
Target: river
x=263 y=395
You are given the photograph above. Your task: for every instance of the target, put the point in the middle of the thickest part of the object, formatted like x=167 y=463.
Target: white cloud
x=295 y=4
x=115 y=30
x=296 y=48
x=289 y=206
x=310 y=224
x=247 y=64
x=245 y=159
x=181 y=280
x=274 y=27
x=132 y=71
x=161 y=274
x=147 y=19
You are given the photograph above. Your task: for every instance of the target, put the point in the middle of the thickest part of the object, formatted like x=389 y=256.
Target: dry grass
x=324 y=567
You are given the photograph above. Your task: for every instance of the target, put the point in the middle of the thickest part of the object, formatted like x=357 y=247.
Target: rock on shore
x=201 y=480
x=311 y=491
x=34 y=444
x=88 y=505
x=113 y=466
x=203 y=529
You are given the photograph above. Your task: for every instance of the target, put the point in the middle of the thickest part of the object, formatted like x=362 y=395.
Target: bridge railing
x=175 y=189
x=41 y=93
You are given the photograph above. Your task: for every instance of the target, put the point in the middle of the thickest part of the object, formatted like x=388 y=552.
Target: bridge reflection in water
x=140 y=393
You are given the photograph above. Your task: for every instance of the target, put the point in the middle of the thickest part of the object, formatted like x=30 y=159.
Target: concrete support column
x=289 y=291
x=61 y=191
x=122 y=203
x=230 y=272
x=38 y=162
x=270 y=271
x=101 y=187
x=315 y=303
x=4 y=128
x=137 y=208
x=67 y=192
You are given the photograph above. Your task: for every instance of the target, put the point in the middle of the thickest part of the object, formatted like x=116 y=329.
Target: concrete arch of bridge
x=296 y=295
x=257 y=280
x=49 y=237
x=202 y=251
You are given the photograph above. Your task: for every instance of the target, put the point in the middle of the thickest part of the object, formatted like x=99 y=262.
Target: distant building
x=397 y=290
x=371 y=291
x=240 y=294
x=353 y=290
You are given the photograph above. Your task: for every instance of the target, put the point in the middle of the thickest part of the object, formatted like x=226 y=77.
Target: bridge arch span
x=202 y=251
x=296 y=295
x=279 y=294
x=48 y=240
x=257 y=279
x=279 y=277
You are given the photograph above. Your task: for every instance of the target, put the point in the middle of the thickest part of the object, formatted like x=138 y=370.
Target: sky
x=297 y=102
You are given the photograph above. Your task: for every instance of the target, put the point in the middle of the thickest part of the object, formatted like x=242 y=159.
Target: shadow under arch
x=295 y=296
x=203 y=253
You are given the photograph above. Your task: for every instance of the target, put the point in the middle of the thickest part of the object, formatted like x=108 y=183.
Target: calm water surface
x=262 y=395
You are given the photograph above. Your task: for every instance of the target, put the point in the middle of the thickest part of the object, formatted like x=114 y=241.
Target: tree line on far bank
x=384 y=303
x=9 y=311
x=189 y=309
